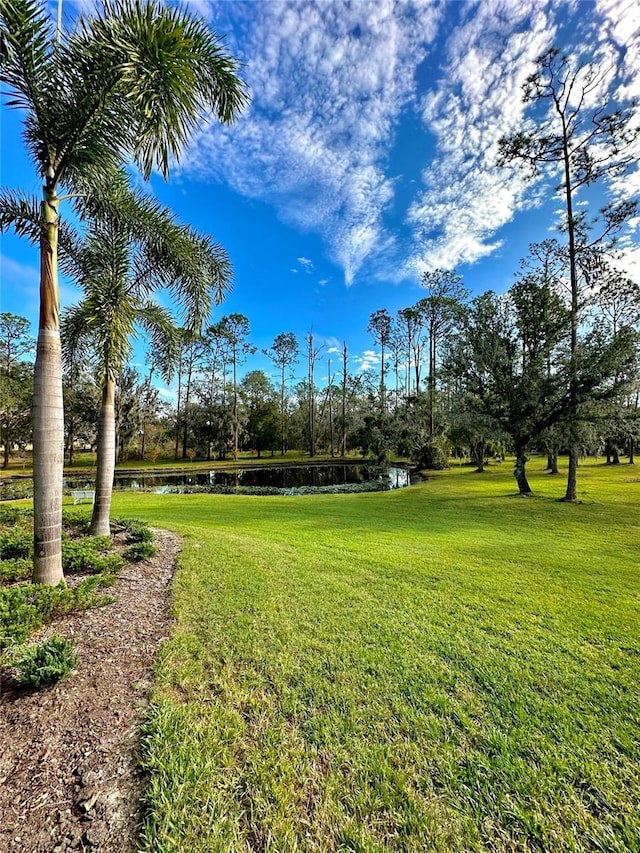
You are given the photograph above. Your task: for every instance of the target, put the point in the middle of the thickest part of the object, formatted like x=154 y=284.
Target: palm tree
x=129 y=82
x=128 y=253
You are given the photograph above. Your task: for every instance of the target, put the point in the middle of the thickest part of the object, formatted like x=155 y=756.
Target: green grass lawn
x=443 y=668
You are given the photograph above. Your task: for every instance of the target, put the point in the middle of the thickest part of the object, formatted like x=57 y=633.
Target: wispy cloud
x=466 y=198
x=306 y=265
x=329 y=82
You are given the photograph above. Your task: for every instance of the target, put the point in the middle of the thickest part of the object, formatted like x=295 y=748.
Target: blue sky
x=367 y=155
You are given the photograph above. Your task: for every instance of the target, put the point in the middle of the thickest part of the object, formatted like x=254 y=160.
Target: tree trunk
x=631 y=450
x=70 y=430
x=572 y=476
x=615 y=453
x=552 y=462
x=520 y=474
x=607 y=447
x=283 y=423
x=105 y=462
x=432 y=379
x=48 y=417
x=477 y=454
x=5 y=462
x=236 y=428
x=571 y=493
x=178 y=412
x=343 y=440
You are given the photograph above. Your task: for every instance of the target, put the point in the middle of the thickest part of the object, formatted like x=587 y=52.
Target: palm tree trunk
x=48 y=419
x=105 y=462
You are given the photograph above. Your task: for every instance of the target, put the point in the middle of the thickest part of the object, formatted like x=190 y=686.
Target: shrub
x=44 y=663
x=18 y=569
x=16 y=543
x=76 y=519
x=87 y=556
x=380 y=485
x=140 y=551
x=138 y=531
x=26 y=607
x=11 y=514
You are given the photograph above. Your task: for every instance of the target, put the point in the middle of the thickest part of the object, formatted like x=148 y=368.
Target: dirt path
x=68 y=778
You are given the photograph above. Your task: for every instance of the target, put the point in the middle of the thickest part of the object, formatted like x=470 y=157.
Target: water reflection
x=282 y=477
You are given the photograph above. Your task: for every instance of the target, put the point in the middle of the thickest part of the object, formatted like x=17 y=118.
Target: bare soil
x=68 y=768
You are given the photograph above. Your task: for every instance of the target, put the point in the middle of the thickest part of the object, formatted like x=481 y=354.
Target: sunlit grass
x=446 y=668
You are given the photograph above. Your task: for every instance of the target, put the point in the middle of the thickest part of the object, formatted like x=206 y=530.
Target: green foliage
x=41 y=664
x=76 y=520
x=380 y=485
x=10 y=514
x=16 y=543
x=26 y=607
x=87 y=555
x=18 y=569
x=17 y=490
x=433 y=452
x=140 y=551
x=138 y=531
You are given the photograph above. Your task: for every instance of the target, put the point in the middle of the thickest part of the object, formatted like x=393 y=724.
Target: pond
x=259 y=477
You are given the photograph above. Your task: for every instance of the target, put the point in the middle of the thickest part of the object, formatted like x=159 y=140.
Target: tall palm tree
x=129 y=252
x=131 y=81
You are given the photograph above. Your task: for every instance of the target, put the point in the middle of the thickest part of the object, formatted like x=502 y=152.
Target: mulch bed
x=68 y=770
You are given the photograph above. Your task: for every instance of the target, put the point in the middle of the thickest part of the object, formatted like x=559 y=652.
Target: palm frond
x=76 y=335
x=20 y=213
x=164 y=336
x=172 y=71
x=26 y=39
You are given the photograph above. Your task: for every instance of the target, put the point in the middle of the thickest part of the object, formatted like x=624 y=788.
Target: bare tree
x=284 y=354
x=380 y=325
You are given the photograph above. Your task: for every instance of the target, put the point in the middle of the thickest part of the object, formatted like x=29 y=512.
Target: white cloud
x=328 y=84
x=369 y=360
x=466 y=197
x=306 y=264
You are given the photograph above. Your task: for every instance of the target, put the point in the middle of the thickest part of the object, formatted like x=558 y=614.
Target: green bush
x=87 y=555
x=380 y=485
x=11 y=514
x=26 y=607
x=16 y=543
x=138 y=531
x=76 y=519
x=44 y=663
x=18 y=569
x=140 y=551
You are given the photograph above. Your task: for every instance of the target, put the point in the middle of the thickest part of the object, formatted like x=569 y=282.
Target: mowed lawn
x=448 y=668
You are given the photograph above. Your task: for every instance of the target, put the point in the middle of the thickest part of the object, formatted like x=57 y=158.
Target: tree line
x=459 y=376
